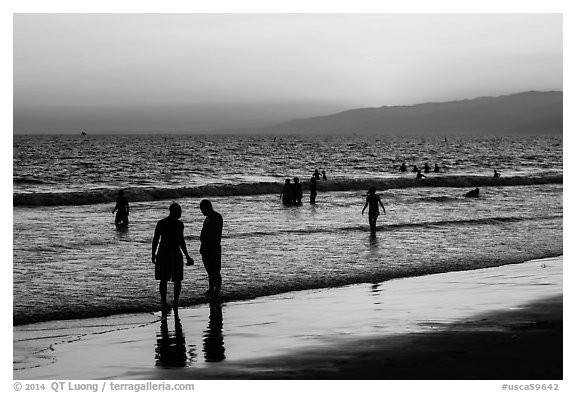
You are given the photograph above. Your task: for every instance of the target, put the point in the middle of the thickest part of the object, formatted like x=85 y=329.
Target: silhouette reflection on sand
x=213 y=337
x=171 y=348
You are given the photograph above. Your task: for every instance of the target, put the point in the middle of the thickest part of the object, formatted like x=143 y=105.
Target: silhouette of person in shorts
x=169 y=264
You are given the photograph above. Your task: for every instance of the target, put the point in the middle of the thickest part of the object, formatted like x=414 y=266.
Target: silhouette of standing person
x=427 y=168
x=372 y=201
x=296 y=192
x=316 y=174
x=419 y=175
x=313 y=191
x=286 y=194
x=122 y=209
x=210 y=248
x=324 y=175
x=403 y=167
x=436 y=168
x=169 y=264
x=414 y=168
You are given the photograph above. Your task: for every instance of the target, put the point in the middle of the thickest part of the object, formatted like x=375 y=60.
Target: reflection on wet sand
x=279 y=327
x=171 y=348
x=213 y=337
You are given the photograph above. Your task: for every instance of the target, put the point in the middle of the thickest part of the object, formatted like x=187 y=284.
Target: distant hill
x=523 y=113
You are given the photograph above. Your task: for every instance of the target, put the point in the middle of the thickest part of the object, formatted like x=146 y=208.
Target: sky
x=195 y=73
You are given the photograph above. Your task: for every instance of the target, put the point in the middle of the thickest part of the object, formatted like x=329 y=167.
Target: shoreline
x=197 y=299
x=444 y=326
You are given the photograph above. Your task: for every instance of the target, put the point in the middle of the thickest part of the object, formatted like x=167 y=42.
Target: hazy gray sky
x=123 y=73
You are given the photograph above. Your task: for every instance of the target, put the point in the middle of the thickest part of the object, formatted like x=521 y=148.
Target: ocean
x=70 y=261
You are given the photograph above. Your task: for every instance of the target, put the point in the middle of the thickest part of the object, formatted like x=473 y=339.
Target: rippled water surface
x=70 y=261
x=78 y=163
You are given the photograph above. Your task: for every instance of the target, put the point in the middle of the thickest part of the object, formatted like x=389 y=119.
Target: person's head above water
x=372 y=190
x=296 y=180
x=175 y=210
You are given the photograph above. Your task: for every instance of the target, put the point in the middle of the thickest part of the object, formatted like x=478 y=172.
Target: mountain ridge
x=527 y=112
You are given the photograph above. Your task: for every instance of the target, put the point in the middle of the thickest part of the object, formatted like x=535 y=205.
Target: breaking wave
x=141 y=194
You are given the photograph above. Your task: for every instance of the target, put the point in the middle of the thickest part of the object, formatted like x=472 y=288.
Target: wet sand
x=496 y=323
x=524 y=344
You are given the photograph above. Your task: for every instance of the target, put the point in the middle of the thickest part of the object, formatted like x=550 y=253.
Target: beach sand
x=499 y=323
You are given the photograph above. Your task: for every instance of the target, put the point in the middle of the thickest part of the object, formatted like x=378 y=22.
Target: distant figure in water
x=169 y=264
x=473 y=194
x=297 y=192
x=427 y=168
x=324 y=175
x=210 y=247
x=372 y=201
x=313 y=192
x=122 y=209
x=415 y=168
x=286 y=194
x=436 y=168
x=496 y=173
x=419 y=175
x=316 y=174
x=403 y=167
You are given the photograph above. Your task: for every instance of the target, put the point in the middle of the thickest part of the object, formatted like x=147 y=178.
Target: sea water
x=70 y=261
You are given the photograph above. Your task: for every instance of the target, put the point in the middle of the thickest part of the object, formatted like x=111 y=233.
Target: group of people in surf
x=292 y=192
x=168 y=239
x=373 y=200
x=475 y=193
x=426 y=168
